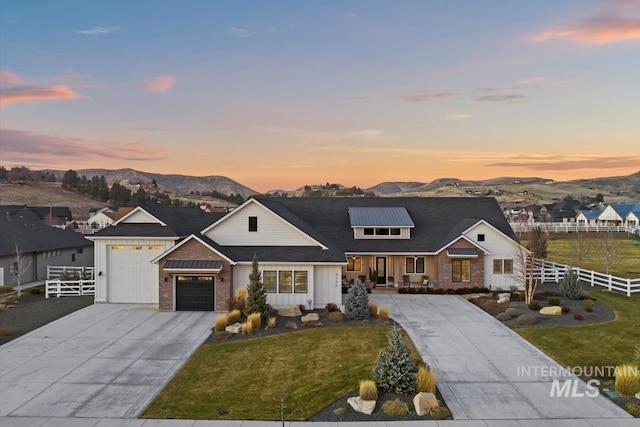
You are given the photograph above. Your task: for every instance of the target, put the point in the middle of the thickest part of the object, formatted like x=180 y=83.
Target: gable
x=271 y=229
x=494 y=241
x=139 y=216
x=609 y=214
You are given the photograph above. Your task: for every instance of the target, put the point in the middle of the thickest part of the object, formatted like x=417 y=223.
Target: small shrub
x=503 y=317
x=578 y=316
x=234 y=316
x=368 y=390
x=221 y=323
x=7 y=331
x=383 y=313
x=35 y=291
x=340 y=411
x=513 y=312
x=588 y=303
x=6 y=289
x=526 y=320
x=426 y=380
x=636 y=356
x=302 y=308
x=627 y=380
x=236 y=304
x=566 y=309
x=570 y=286
x=271 y=323
x=633 y=409
x=440 y=413
x=335 y=316
x=373 y=309
x=534 y=305
x=247 y=327
x=331 y=307
x=395 y=408
x=588 y=309
x=357 y=305
x=255 y=319
x=553 y=301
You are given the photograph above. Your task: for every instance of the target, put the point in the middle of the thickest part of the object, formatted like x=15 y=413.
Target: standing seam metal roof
x=380 y=217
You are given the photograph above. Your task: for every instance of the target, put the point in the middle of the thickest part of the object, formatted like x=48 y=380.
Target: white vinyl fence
x=572 y=227
x=69 y=281
x=547 y=271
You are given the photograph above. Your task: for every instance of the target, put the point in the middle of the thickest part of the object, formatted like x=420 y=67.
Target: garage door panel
x=194 y=293
x=131 y=277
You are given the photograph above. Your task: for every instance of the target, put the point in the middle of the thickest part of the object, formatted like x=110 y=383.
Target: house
x=41 y=245
x=587 y=217
x=106 y=216
x=188 y=259
x=52 y=215
x=632 y=219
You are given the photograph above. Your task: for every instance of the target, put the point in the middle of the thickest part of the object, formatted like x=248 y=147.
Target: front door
x=381 y=269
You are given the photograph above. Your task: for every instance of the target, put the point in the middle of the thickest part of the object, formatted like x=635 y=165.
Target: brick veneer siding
x=445 y=271
x=195 y=250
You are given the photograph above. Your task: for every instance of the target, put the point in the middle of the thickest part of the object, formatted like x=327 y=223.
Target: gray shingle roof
x=193 y=264
x=379 y=217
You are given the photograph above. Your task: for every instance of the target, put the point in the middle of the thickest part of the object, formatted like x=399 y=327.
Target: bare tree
x=581 y=246
x=607 y=247
x=21 y=264
x=523 y=273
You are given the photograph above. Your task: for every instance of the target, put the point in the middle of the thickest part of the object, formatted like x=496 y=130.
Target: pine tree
x=395 y=370
x=256 y=295
x=357 y=305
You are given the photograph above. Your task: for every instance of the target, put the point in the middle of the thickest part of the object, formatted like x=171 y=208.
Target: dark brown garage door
x=194 y=293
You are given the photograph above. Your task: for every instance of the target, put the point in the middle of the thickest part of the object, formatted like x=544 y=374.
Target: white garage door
x=131 y=278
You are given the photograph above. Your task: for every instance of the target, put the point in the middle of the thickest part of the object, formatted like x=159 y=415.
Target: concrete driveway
x=485 y=370
x=104 y=361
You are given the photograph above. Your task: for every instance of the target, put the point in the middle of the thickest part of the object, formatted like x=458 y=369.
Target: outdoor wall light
x=309 y=302
x=166 y=278
x=99 y=273
x=221 y=279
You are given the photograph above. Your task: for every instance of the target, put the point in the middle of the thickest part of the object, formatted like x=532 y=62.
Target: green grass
x=247 y=379
x=602 y=344
x=561 y=249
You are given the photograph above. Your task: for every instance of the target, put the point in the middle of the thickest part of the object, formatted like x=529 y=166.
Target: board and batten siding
x=609 y=214
x=101 y=252
x=272 y=230
x=327 y=285
x=501 y=247
x=141 y=217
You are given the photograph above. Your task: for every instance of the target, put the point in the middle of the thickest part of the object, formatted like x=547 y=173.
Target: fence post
x=628 y=287
x=593 y=277
x=58 y=283
x=609 y=282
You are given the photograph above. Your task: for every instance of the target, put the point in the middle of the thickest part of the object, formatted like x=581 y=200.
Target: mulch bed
x=601 y=312
x=29 y=312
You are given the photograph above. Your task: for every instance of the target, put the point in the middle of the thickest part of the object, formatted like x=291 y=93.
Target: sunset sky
x=279 y=94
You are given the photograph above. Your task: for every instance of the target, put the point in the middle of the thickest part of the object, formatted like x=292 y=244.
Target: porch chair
x=406 y=282
x=425 y=282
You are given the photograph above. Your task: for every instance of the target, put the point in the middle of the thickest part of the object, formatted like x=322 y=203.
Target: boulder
x=503 y=300
x=504 y=295
x=554 y=310
x=638 y=395
x=503 y=317
x=513 y=312
x=291 y=325
x=236 y=328
x=362 y=406
x=424 y=402
x=289 y=311
x=526 y=319
x=311 y=317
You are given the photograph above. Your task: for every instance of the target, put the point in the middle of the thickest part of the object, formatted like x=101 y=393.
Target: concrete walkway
x=106 y=360
x=481 y=363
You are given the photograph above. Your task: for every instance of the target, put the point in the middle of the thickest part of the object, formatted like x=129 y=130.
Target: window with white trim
x=502 y=266
x=461 y=270
x=285 y=281
x=414 y=265
x=354 y=263
x=253 y=223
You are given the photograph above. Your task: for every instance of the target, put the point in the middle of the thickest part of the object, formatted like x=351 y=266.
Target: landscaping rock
x=504 y=295
x=289 y=311
x=513 y=312
x=311 y=317
x=362 y=406
x=638 y=395
x=526 y=319
x=503 y=300
x=291 y=325
x=554 y=310
x=503 y=317
x=236 y=328
x=424 y=402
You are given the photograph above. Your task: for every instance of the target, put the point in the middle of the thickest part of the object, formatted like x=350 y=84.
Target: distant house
x=614 y=214
x=41 y=245
x=187 y=259
x=52 y=215
x=587 y=217
x=107 y=216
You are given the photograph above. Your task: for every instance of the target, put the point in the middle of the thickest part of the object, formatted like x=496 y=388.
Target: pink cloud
x=159 y=84
x=23 y=146
x=35 y=93
x=557 y=163
x=502 y=98
x=421 y=97
x=8 y=77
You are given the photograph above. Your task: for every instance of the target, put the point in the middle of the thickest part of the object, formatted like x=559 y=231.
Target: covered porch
x=391 y=270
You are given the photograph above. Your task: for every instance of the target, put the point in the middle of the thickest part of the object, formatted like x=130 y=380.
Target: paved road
x=480 y=363
x=106 y=360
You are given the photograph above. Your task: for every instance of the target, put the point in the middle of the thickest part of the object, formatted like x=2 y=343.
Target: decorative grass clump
x=247 y=328
x=222 y=322
x=335 y=316
x=633 y=409
x=636 y=356
x=234 y=316
x=588 y=303
x=627 y=379
x=383 y=313
x=395 y=408
x=271 y=323
x=241 y=294
x=373 y=309
x=368 y=390
x=6 y=289
x=440 y=413
x=255 y=320
x=340 y=411
x=426 y=380
x=7 y=331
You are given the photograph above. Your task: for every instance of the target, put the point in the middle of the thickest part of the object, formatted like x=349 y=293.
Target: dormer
x=380 y=223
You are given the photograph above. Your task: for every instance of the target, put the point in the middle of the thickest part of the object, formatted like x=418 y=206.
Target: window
x=394 y=231
x=501 y=266
x=80 y=250
x=285 y=279
x=368 y=231
x=117 y=248
x=73 y=257
x=155 y=248
x=414 y=265
x=135 y=248
x=354 y=264
x=508 y=266
x=382 y=231
x=270 y=281
x=300 y=282
x=253 y=223
x=480 y=237
x=497 y=266
x=461 y=270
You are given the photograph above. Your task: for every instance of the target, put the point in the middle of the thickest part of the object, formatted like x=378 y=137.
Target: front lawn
x=602 y=344
x=247 y=379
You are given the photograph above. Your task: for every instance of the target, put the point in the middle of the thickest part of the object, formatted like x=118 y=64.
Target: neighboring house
x=616 y=213
x=107 y=216
x=587 y=217
x=52 y=215
x=41 y=245
x=632 y=219
x=187 y=259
